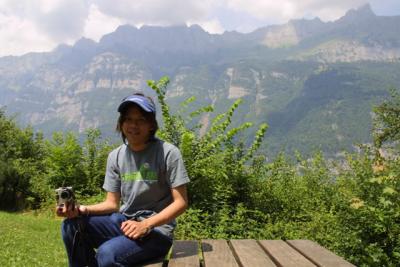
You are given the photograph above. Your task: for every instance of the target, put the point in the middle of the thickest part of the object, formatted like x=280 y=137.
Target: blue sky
x=40 y=25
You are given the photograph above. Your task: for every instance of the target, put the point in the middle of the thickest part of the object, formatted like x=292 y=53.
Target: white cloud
x=157 y=12
x=284 y=10
x=61 y=20
x=97 y=24
x=274 y=10
x=19 y=36
x=212 y=26
x=31 y=26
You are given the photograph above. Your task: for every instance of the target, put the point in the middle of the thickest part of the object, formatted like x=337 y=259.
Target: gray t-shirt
x=145 y=179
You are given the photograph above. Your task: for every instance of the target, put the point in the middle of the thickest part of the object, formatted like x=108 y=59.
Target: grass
x=30 y=240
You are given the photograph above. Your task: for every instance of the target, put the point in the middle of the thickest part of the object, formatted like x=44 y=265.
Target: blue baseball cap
x=139 y=100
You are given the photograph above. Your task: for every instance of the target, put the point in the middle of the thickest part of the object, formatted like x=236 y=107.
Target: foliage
x=31 y=167
x=95 y=152
x=387 y=121
x=370 y=215
x=20 y=160
x=70 y=164
x=215 y=160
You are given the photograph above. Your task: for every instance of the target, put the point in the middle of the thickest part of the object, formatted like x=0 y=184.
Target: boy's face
x=136 y=128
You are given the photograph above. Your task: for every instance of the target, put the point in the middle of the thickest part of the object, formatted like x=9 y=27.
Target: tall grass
x=29 y=240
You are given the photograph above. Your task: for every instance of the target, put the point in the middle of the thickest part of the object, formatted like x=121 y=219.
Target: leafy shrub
x=371 y=218
x=21 y=154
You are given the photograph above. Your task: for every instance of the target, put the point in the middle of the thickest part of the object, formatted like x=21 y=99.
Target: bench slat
x=318 y=254
x=184 y=253
x=250 y=254
x=217 y=253
x=284 y=254
x=154 y=264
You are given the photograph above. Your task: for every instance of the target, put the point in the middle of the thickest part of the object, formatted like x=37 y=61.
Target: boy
x=148 y=178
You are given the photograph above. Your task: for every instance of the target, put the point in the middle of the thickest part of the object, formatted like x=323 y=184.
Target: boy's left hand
x=134 y=229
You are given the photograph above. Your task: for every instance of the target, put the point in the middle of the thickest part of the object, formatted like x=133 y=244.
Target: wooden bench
x=249 y=253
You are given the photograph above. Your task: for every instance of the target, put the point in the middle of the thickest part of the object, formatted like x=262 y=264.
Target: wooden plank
x=159 y=262
x=184 y=254
x=285 y=255
x=217 y=253
x=250 y=254
x=318 y=254
x=155 y=263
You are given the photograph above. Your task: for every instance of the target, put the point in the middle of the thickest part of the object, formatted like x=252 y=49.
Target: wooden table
x=249 y=253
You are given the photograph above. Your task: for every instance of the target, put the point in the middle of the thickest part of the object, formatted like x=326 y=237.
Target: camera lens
x=65 y=195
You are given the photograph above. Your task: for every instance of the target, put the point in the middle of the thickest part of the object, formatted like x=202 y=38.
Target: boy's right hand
x=69 y=211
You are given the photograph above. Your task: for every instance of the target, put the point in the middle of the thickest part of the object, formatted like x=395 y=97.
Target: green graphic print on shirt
x=144 y=173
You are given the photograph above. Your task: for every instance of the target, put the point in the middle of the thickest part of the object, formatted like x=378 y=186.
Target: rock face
x=308 y=79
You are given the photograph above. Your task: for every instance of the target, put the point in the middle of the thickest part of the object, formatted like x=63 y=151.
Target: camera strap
x=78 y=236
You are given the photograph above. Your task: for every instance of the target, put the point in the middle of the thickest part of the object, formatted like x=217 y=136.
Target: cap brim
x=141 y=101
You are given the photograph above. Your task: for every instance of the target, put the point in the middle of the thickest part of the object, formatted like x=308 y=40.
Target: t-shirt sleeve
x=112 y=180
x=176 y=171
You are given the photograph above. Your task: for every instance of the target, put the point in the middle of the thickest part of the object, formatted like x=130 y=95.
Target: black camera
x=65 y=196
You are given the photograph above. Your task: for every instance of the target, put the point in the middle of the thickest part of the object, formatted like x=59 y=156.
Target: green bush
x=21 y=155
x=371 y=218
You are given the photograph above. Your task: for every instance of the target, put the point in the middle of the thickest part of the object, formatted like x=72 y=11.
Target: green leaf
x=389 y=190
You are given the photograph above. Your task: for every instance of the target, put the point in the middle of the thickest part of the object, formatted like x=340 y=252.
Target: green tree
x=94 y=153
x=21 y=155
x=387 y=121
x=64 y=162
x=68 y=163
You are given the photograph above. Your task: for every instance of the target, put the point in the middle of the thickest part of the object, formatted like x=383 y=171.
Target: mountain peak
x=172 y=28
x=361 y=13
x=84 y=44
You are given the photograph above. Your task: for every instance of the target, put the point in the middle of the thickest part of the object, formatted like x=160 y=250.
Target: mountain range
x=315 y=83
